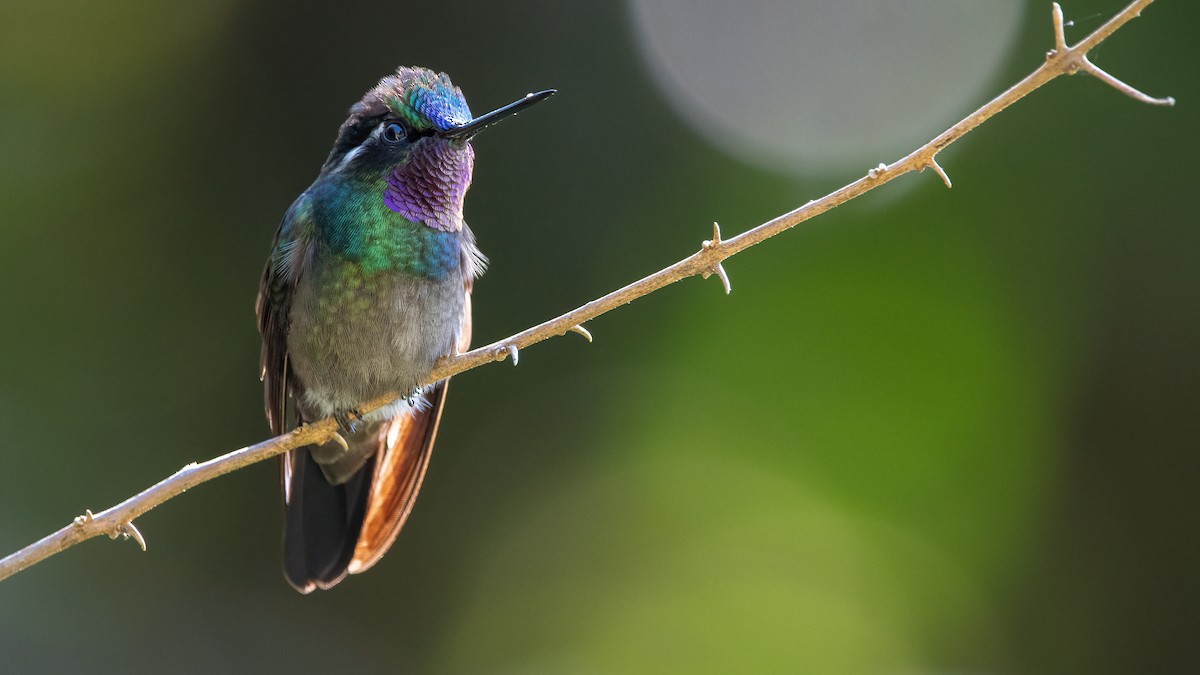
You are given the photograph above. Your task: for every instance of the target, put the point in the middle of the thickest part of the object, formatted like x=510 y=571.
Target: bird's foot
x=348 y=420
x=413 y=397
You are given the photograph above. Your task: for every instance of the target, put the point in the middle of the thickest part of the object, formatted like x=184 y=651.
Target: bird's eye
x=394 y=133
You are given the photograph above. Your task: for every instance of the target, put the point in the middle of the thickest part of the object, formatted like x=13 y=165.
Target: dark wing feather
x=289 y=253
x=272 y=309
x=289 y=256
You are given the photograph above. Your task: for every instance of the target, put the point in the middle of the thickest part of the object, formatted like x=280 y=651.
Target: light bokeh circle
x=815 y=87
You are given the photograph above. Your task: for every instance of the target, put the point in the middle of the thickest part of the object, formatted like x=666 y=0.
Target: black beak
x=468 y=130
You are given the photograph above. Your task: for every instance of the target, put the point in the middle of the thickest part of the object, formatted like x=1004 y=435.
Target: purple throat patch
x=429 y=188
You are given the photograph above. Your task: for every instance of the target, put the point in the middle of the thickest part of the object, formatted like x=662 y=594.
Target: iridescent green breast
x=351 y=219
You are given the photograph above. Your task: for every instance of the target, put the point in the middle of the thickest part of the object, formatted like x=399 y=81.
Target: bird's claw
x=337 y=438
x=348 y=420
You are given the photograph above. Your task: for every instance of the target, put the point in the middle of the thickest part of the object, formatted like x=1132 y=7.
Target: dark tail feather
x=321 y=522
x=342 y=513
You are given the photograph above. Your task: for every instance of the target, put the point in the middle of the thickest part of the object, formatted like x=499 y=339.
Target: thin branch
x=118 y=520
x=1082 y=63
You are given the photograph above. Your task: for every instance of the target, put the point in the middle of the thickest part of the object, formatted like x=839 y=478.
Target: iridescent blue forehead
x=425 y=100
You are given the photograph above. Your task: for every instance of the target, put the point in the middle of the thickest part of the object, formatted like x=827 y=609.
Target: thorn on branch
x=724 y=278
x=1060 y=35
x=717 y=269
x=86 y=518
x=129 y=531
x=577 y=328
x=937 y=168
x=1095 y=71
x=715 y=241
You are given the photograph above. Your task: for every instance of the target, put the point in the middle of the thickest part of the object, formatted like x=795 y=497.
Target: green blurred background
x=931 y=432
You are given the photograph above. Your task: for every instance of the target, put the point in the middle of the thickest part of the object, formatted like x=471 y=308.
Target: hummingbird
x=367 y=285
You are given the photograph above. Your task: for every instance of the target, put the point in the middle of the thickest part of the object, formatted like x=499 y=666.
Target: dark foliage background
x=936 y=431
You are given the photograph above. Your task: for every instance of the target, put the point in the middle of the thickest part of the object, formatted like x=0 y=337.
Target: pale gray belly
x=354 y=338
